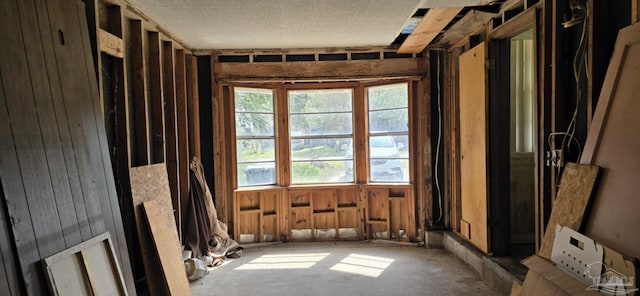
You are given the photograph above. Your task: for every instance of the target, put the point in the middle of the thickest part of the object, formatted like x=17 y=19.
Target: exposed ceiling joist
x=429 y=27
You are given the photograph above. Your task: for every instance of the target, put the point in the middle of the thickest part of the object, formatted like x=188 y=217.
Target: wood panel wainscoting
x=322 y=212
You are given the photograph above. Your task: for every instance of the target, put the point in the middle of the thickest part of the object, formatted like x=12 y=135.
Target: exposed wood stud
x=111 y=44
x=182 y=133
x=171 y=133
x=136 y=52
x=157 y=98
x=193 y=107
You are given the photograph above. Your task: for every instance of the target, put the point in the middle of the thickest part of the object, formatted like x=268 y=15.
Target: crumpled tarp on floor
x=204 y=233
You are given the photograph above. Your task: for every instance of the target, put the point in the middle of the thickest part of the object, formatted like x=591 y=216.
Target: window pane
x=261 y=173
x=395 y=120
x=321 y=171
x=389 y=96
x=389 y=170
x=255 y=150
x=254 y=124
x=320 y=124
x=253 y=100
x=321 y=149
x=314 y=101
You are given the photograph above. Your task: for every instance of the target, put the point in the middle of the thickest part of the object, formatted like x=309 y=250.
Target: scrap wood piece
x=571 y=202
x=162 y=227
x=149 y=183
x=429 y=27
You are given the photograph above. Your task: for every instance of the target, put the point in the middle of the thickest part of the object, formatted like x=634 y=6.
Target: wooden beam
x=321 y=70
x=136 y=52
x=193 y=106
x=635 y=11
x=182 y=124
x=111 y=44
x=468 y=24
x=169 y=91
x=157 y=98
x=429 y=27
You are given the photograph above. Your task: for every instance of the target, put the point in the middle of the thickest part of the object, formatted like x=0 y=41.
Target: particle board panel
x=612 y=144
x=473 y=144
x=150 y=183
x=570 y=205
x=162 y=226
x=429 y=27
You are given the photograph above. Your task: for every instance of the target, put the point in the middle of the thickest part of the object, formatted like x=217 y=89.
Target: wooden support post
x=171 y=157
x=218 y=151
x=193 y=106
x=182 y=132
x=136 y=52
x=157 y=98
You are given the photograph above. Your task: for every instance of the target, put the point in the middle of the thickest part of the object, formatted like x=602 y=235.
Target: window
x=255 y=136
x=321 y=132
x=314 y=141
x=388 y=133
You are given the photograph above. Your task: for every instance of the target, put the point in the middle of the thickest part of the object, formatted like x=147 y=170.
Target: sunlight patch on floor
x=371 y=266
x=284 y=261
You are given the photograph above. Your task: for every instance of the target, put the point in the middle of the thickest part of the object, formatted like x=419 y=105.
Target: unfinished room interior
x=292 y=147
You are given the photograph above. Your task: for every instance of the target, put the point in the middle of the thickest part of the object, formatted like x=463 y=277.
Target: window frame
x=360 y=130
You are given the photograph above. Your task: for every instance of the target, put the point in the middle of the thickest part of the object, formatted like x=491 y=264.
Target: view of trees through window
x=321 y=135
x=321 y=131
x=255 y=136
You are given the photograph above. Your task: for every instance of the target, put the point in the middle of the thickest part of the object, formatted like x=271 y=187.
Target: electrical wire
x=436 y=174
x=580 y=63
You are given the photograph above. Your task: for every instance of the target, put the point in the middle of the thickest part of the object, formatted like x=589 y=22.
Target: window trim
x=360 y=130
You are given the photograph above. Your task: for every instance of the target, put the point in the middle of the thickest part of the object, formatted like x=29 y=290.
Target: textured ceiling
x=256 y=24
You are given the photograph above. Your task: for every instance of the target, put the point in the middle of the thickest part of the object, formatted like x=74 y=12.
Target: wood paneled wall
x=57 y=181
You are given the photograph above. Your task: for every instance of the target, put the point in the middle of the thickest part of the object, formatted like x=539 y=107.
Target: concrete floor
x=341 y=268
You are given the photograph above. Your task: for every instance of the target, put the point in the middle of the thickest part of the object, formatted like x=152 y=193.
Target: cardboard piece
x=544 y=278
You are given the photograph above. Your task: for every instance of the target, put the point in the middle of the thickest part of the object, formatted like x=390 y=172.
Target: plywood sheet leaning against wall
x=150 y=183
x=612 y=143
x=162 y=226
x=473 y=146
x=571 y=202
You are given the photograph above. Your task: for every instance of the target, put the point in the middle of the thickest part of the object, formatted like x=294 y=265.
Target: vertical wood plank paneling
x=52 y=146
x=182 y=134
x=27 y=137
x=171 y=158
x=14 y=188
x=157 y=98
x=72 y=175
x=193 y=107
x=110 y=202
x=135 y=52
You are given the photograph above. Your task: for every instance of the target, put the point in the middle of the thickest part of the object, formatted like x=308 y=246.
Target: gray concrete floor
x=341 y=268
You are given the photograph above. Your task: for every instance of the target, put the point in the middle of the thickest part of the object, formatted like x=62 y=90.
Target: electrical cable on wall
x=580 y=64
x=436 y=174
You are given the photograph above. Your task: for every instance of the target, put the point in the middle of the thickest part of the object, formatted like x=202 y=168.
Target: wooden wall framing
x=148 y=96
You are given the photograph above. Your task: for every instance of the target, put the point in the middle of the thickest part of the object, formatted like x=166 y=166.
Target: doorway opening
x=522 y=156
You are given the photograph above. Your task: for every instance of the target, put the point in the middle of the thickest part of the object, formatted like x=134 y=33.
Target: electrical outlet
x=554 y=158
x=557 y=158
